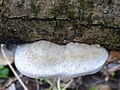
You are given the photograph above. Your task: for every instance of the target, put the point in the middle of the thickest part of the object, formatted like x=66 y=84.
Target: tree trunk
x=60 y=21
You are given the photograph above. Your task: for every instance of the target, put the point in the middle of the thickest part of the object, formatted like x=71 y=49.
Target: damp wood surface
x=60 y=21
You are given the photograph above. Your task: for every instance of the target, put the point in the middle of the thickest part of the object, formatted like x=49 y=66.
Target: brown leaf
x=113 y=56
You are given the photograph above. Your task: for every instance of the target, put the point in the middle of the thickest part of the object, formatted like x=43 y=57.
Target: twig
x=10 y=81
x=68 y=84
x=37 y=84
x=58 y=84
x=107 y=76
x=113 y=69
x=11 y=67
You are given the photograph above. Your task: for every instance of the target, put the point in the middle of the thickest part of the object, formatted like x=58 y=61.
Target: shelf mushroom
x=47 y=59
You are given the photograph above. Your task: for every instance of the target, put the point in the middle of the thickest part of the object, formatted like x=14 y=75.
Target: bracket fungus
x=46 y=59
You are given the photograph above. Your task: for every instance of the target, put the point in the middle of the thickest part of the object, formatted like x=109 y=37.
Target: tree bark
x=61 y=21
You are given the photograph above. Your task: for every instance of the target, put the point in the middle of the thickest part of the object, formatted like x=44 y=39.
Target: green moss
x=1 y=2
x=20 y=3
x=77 y=10
x=83 y=3
x=86 y=3
x=64 y=9
x=83 y=7
x=35 y=8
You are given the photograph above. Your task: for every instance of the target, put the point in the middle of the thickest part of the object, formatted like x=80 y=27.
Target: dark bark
x=61 y=21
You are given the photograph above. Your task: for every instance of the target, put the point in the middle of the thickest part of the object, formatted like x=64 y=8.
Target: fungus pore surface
x=46 y=59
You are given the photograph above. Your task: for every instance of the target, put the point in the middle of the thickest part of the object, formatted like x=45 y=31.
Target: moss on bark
x=60 y=21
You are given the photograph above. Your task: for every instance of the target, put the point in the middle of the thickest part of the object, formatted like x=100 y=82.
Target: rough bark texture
x=61 y=21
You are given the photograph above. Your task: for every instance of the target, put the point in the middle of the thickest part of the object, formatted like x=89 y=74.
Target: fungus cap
x=46 y=59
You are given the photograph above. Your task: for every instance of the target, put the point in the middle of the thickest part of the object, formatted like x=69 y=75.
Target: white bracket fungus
x=46 y=59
